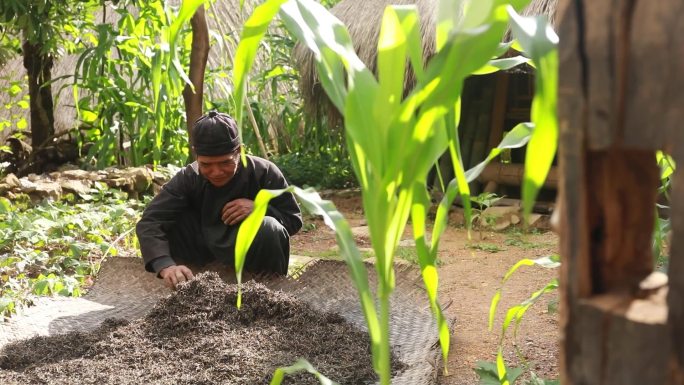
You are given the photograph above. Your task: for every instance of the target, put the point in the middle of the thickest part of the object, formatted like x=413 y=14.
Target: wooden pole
x=621 y=323
x=193 y=96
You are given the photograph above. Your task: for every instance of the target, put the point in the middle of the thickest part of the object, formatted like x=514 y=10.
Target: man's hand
x=236 y=211
x=173 y=275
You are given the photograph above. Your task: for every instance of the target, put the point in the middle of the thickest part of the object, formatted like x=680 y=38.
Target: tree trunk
x=198 y=64
x=39 y=68
x=620 y=100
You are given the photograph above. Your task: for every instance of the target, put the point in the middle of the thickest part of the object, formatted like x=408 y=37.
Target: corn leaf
x=461 y=184
x=411 y=132
x=518 y=311
x=548 y=262
x=331 y=44
x=449 y=16
x=666 y=163
x=299 y=366
x=188 y=8
x=408 y=16
x=492 y=308
x=391 y=65
x=157 y=61
x=427 y=257
x=254 y=30
x=501 y=65
x=501 y=369
x=468 y=50
x=516 y=138
x=540 y=42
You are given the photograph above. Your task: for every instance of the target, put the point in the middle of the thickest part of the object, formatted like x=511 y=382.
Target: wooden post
x=198 y=63
x=621 y=65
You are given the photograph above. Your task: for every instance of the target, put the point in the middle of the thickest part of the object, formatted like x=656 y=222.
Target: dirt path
x=470 y=273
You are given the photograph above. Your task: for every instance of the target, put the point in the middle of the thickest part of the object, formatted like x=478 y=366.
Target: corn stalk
x=393 y=140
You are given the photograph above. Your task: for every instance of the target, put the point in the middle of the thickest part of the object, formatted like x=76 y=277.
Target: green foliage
x=516 y=312
x=663 y=226
x=53 y=24
x=483 y=201
x=540 y=42
x=56 y=247
x=123 y=120
x=43 y=30
x=520 y=239
x=485 y=246
x=18 y=97
x=10 y=45
x=127 y=124
x=488 y=373
x=320 y=171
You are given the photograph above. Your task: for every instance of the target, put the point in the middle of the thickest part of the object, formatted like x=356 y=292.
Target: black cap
x=215 y=134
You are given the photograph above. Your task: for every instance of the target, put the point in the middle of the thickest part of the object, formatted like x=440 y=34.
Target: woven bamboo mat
x=124 y=290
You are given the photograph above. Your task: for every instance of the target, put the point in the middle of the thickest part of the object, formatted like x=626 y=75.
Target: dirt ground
x=470 y=273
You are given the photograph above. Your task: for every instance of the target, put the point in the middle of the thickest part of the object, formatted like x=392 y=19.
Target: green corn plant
x=393 y=140
x=516 y=312
x=538 y=40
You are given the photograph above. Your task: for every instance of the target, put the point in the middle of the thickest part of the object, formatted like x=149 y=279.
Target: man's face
x=220 y=169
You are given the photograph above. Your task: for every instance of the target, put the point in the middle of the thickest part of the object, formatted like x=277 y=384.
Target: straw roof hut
x=492 y=104
x=363 y=20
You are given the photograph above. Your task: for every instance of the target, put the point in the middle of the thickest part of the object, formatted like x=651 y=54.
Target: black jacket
x=188 y=190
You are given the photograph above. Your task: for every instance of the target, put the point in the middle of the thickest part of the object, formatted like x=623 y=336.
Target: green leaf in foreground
x=299 y=366
x=538 y=40
x=549 y=262
x=254 y=30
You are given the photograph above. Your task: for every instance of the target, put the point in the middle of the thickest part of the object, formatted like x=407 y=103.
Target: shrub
x=317 y=170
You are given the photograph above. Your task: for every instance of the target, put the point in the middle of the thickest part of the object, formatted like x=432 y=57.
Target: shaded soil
x=197 y=336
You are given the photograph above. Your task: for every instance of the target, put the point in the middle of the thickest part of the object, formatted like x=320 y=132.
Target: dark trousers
x=269 y=252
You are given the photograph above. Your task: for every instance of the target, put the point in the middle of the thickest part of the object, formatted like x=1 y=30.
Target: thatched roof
x=362 y=18
x=224 y=17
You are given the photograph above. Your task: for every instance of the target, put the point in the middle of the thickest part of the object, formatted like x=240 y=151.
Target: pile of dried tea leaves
x=198 y=336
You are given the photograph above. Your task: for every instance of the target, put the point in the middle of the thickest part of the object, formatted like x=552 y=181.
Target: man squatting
x=195 y=217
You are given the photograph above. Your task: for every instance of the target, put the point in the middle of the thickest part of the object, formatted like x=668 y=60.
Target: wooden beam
x=193 y=97
x=511 y=174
